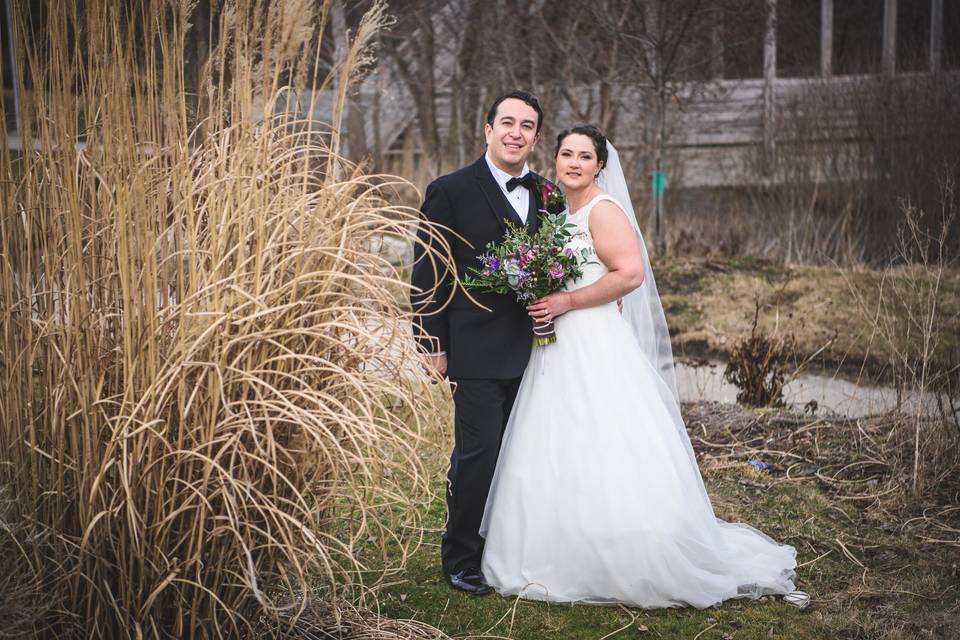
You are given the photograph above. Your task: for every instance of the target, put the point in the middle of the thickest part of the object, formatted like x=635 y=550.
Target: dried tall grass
x=207 y=400
x=909 y=320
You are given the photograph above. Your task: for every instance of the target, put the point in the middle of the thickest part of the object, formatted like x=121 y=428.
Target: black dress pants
x=481 y=410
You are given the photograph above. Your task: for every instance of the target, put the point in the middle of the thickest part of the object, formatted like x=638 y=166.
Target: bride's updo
x=592 y=132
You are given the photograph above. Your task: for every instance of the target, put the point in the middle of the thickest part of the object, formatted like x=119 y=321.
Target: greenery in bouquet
x=530 y=266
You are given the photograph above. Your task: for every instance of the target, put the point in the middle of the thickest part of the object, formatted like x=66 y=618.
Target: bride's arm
x=616 y=245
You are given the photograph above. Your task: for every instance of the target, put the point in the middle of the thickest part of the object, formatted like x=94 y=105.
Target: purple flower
x=493 y=264
x=568 y=252
x=556 y=272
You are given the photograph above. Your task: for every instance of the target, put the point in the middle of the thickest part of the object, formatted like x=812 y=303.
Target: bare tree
x=584 y=62
x=415 y=60
x=672 y=42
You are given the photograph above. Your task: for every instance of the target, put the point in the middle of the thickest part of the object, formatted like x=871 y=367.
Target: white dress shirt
x=519 y=198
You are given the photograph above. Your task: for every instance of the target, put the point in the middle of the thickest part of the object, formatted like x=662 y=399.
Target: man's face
x=513 y=135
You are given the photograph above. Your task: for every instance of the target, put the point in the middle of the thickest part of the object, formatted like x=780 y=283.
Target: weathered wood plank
x=715 y=132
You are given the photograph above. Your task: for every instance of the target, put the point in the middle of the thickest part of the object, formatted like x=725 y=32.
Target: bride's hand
x=550 y=307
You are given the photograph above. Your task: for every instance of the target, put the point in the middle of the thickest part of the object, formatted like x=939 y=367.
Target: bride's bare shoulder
x=606 y=212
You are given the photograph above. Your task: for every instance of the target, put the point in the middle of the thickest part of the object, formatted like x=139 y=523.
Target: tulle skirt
x=597 y=496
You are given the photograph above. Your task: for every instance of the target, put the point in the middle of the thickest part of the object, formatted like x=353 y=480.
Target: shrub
x=207 y=395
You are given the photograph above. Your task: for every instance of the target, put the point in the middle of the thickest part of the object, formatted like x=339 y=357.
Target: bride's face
x=577 y=163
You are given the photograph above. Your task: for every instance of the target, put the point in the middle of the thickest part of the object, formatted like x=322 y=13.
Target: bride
x=597 y=496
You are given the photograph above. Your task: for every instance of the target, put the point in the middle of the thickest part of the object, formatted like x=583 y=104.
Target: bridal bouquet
x=530 y=266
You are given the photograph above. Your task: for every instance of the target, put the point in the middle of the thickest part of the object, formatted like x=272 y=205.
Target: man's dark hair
x=524 y=96
x=592 y=132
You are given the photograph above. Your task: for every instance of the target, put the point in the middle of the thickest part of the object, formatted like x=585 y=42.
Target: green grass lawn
x=869 y=577
x=421 y=593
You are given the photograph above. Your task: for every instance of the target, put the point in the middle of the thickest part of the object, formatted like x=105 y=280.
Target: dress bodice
x=593 y=269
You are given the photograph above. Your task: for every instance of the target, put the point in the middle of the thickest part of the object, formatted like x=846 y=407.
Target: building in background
x=816 y=115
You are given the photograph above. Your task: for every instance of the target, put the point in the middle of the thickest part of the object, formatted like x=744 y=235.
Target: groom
x=483 y=352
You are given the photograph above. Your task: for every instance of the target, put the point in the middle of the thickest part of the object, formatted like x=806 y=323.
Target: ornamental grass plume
x=207 y=401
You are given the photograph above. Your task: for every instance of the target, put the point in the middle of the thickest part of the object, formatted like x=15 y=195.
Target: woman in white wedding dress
x=597 y=496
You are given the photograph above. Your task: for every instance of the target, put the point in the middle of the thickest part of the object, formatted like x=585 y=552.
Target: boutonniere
x=551 y=197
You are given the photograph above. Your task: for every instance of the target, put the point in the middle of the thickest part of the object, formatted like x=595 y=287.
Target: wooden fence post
x=936 y=34
x=826 y=38
x=769 y=95
x=889 y=57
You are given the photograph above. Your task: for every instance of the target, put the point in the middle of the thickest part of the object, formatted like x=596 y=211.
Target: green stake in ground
x=658 y=183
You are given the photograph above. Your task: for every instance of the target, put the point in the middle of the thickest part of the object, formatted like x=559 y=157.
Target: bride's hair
x=592 y=132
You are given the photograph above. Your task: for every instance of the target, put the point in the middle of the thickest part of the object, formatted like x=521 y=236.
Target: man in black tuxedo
x=483 y=352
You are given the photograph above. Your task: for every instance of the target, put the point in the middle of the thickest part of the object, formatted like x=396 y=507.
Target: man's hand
x=435 y=366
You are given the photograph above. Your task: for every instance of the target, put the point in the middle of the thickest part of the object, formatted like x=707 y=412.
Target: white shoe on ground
x=798 y=599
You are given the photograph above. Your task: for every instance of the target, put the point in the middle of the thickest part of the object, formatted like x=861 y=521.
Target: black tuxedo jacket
x=492 y=344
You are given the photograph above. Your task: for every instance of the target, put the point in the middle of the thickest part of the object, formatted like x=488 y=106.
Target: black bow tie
x=526 y=180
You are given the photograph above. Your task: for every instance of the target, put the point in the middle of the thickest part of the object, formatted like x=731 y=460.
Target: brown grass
x=206 y=381
x=878 y=559
x=340 y=619
x=908 y=318
x=864 y=463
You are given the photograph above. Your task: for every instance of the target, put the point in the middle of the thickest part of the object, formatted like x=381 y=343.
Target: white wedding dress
x=597 y=496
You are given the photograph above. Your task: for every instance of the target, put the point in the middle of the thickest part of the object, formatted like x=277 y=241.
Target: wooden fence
x=715 y=131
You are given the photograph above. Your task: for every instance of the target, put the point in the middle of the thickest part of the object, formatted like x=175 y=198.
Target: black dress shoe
x=469 y=581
